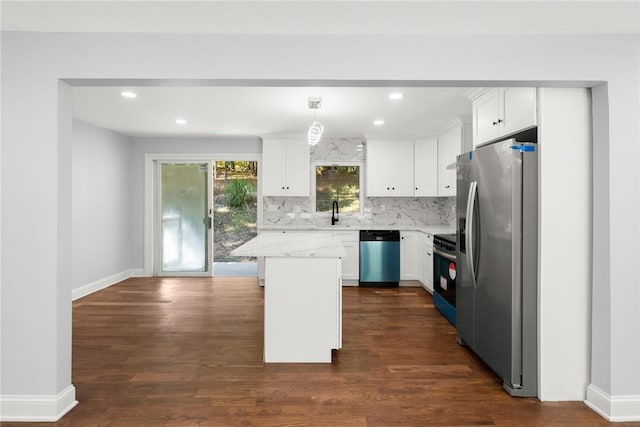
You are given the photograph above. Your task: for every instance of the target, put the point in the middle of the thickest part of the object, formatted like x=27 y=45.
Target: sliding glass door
x=184 y=219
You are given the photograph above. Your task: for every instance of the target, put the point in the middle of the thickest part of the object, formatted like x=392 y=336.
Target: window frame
x=360 y=164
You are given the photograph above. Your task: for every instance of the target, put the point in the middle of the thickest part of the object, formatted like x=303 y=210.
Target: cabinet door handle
x=393 y=188
x=499 y=120
x=416 y=188
x=448 y=186
x=283 y=188
x=387 y=188
x=287 y=188
x=495 y=123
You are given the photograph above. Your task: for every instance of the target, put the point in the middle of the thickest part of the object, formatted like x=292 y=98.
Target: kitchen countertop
x=307 y=243
x=429 y=229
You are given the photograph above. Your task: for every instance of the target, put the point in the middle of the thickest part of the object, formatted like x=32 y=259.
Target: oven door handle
x=444 y=255
x=471 y=201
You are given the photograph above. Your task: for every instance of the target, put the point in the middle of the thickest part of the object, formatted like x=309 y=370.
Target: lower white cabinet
x=351 y=262
x=425 y=260
x=408 y=255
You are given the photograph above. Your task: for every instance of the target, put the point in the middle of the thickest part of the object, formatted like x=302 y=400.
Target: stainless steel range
x=444 y=275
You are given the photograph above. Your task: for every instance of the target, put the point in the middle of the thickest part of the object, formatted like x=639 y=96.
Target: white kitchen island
x=302 y=294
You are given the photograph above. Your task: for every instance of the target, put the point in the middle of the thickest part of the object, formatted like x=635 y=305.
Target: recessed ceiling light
x=181 y=122
x=128 y=94
x=378 y=122
x=396 y=95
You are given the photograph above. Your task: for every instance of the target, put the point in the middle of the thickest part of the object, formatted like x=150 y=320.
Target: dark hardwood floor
x=188 y=352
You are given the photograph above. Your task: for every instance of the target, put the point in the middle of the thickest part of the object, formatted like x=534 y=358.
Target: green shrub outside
x=238 y=192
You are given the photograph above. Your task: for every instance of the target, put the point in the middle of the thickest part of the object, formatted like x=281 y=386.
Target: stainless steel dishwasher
x=379 y=258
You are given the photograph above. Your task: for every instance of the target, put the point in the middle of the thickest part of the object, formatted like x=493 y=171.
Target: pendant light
x=315 y=131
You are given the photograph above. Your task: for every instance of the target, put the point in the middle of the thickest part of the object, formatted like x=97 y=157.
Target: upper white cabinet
x=449 y=146
x=426 y=167
x=285 y=167
x=501 y=111
x=413 y=168
x=390 y=165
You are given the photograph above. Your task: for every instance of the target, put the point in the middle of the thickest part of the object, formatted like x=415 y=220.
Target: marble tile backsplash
x=338 y=149
x=393 y=211
x=296 y=212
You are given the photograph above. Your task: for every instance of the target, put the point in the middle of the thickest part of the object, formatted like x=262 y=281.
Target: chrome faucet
x=334 y=213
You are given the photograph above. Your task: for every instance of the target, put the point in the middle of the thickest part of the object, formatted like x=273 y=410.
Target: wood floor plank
x=181 y=352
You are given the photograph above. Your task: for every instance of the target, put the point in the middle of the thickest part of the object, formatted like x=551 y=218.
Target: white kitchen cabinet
x=425 y=260
x=408 y=255
x=285 y=167
x=486 y=113
x=426 y=167
x=390 y=168
x=449 y=146
x=351 y=262
x=501 y=111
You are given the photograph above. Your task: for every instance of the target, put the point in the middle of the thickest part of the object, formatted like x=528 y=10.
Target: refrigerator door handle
x=471 y=201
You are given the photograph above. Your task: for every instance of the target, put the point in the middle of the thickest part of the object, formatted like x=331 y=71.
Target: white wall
x=101 y=193
x=35 y=308
x=565 y=156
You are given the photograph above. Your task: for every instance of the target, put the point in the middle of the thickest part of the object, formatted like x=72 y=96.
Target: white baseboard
x=409 y=283
x=136 y=272
x=100 y=284
x=613 y=408
x=37 y=408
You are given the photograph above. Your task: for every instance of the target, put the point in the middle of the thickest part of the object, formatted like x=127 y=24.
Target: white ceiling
x=262 y=111
x=325 y=16
x=269 y=111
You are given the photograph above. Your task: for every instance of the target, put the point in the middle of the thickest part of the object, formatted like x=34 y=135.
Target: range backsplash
x=393 y=211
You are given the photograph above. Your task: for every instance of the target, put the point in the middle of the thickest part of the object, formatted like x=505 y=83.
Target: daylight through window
x=338 y=182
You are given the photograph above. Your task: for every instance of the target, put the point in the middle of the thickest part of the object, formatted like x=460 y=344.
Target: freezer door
x=464 y=284
x=496 y=337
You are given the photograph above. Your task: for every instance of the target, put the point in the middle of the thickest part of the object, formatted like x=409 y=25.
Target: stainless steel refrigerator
x=497 y=246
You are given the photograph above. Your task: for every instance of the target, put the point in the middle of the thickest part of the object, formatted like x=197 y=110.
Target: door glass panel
x=184 y=217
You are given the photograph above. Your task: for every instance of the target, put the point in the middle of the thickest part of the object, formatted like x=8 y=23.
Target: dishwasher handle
x=379 y=236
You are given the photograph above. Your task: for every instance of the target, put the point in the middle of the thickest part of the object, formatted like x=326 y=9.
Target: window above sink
x=337 y=181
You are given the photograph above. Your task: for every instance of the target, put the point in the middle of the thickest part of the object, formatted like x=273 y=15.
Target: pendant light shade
x=315 y=131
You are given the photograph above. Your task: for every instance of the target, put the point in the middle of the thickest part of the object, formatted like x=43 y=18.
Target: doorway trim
x=150 y=188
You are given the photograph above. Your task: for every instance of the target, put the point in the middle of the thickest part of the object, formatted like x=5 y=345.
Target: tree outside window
x=340 y=183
